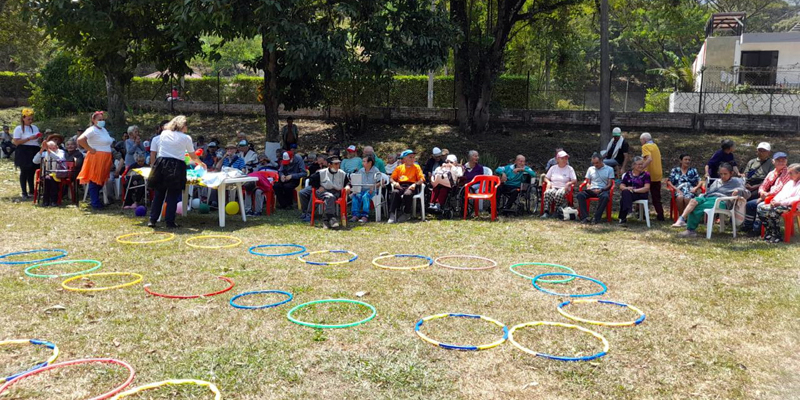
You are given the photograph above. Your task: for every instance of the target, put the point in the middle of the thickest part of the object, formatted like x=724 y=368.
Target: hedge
x=14 y=85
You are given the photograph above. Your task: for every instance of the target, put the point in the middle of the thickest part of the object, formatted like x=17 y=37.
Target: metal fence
x=742 y=90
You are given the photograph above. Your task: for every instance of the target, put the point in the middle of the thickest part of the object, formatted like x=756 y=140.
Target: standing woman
x=168 y=177
x=97 y=164
x=26 y=138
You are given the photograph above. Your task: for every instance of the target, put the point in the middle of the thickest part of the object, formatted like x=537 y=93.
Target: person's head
x=408 y=157
x=391 y=158
x=334 y=163
x=178 y=124
x=322 y=161
x=451 y=160
x=161 y=126
x=558 y=150
x=263 y=159
x=5 y=128
x=597 y=160
x=368 y=161
x=27 y=117
x=351 y=151
x=638 y=164
x=645 y=137
x=98 y=119
x=133 y=131
x=244 y=147
x=290 y=121
x=72 y=145
x=52 y=146
x=286 y=158
x=562 y=158
x=685 y=160
x=616 y=133
x=794 y=172
x=727 y=146
x=725 y=172
x=473 y=156
x=201 y=140
x=780 y=160
x=764 y=151
x=230 y=149
x=241 y=135
x=368 y=150
x=139 y=157
x=212 y=147
x=437 y=153
x=55 y=137
x=519 y=161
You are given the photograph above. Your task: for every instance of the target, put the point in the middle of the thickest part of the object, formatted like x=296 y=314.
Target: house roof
x=729 y=21
x=772 y=37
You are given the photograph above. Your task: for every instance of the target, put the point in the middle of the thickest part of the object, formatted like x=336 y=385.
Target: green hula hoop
x=322 y=326
x=97 y=264
x=567 y=280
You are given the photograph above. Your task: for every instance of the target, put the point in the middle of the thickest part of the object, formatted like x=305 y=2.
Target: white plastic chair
x=644 y=210
x=380 y=204
x=419 y=198
x=711 y=213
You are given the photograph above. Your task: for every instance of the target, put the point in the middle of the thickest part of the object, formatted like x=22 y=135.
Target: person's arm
x=130 y=146
x=37 y=159
x=647 y=160
x=83 y=141
x=623 y=184
x=23 y=140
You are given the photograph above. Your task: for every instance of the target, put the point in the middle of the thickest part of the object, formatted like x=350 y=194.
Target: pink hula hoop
x=441 y=264
x=76 y=362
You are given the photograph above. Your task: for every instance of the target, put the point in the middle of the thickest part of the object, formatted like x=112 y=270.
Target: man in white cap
x=434 y=162
x=616 y=154
x=352 y=163
x=249 y=156
x=757 y=169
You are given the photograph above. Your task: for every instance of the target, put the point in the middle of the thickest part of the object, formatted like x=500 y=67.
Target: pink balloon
x=179 y=210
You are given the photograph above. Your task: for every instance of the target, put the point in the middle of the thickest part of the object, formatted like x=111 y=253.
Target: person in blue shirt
x=600 y=177
x=723 y=155
x=231 y=159
x=209 y=156
x=512 y=177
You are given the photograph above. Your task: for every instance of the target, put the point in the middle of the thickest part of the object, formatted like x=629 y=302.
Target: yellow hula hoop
x=98 y=289
x=428 y=261
x=600 y=337
x=461 y=347
x=303 y=256
x=34 y=342
x=189 y=240
x=169 y=237
x=637 y=321
x=154 y=385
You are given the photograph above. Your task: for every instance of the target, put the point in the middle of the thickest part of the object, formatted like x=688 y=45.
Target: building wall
x=787 y=44
x=718 y=58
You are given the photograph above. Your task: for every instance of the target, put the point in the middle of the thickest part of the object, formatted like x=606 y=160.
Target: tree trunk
x=115 y=93
x=270 y=93
x=605 y=78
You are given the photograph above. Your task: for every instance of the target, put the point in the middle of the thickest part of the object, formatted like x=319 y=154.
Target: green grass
x=721 y=315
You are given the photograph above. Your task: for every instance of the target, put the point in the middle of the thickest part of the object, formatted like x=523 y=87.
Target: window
x=758 y=68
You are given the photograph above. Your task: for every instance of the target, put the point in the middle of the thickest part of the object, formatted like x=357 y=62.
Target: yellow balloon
x=232 y=208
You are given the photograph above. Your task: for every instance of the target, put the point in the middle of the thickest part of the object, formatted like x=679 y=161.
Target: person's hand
x=518 y=170
x=137 y=140
x=92 y=150
x=202 y=164
x=408 y=192
x=735 y=193
x=320 y=190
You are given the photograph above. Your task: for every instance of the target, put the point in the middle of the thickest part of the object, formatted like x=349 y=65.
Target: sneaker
x=363 y=220
x=687 y=233
x=173 y=226
x=391 y=220
x=623 y=222
x=334 y=222
x=403 y=218
x=680 y=223
x=354 y=219
x=306 y=217
x=325 y=223
x=545 y=216
x=585 y=221
x=151 y=224
x=776 y=239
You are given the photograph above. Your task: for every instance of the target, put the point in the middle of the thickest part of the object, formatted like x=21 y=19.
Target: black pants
x=655 y=193
x=399 y=198
x=626 y=202
x=602 y=202
x=50 y=195
x=283 y=192
x=510 y=193
x=8 y=148
x=135 y=195
x=172 y=196
x=26 y=177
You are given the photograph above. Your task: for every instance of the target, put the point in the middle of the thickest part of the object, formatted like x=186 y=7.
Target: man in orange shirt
x=405 y=181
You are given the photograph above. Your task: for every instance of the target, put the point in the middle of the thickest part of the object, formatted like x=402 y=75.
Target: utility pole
x=605 y=77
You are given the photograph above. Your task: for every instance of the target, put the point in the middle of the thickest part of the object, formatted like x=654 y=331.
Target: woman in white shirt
x=168 y=177
x=560 y=180
x=97 y=164
x=54 y=166
x=26 y=138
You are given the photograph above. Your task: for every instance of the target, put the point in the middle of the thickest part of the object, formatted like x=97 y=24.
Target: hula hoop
x=601 y=284
x=169 y=237
x=297 y=246
x=233 y=299
x=323 y=326
x=154 y=385
x=4 y=256
x=97 y=264
x=138 y=278
x=461 y=347
x=304 y=255
x=558 y=358
x=441 y=264
x=637 y=321
x=131 y=374
x=36 y=342
x=189 y=241
x=194 y=296
x=565 y=268
x=427 y=264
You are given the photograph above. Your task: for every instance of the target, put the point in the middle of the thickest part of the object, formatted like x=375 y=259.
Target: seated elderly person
x=600 y=177
x=209 y=156
x=54 y=169
x=635 y=186
x=73 y=154
x=771 y=186
x=435 y=160
x=727 y=185
x=292 y=169
x=512 y=177
x=472 y=168
x=249 y=155
x=328 y=184
x=135 y=196
x=393 y=162
x=362 y=194
x=443 y=180
x=771 y=214
x=353 y=162
x=231 y=159
x=685 y=181
x=757 y=169
x=560 y=179
x=405 y=181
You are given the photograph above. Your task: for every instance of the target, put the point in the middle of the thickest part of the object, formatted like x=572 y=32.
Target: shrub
x=656 y=100
x=65 y=86
x=14 y=85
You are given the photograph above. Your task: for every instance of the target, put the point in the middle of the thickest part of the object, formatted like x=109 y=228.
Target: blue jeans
x=94 y=195
x=361 y=204
x=610 y=162
x=750 y=220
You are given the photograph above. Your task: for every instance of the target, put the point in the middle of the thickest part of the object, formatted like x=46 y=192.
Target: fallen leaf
x=361 y=294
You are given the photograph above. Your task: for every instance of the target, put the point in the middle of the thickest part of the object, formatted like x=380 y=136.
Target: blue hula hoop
x=4 y=256
x=297 y=246
x=601 y=284
x=42 y=364
x=239 y=306
x=302 y=257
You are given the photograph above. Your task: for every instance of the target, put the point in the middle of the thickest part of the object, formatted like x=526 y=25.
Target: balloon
x=195 y=203
x=141 y=211
x=203 y=208
x=179 y=208
x=232 y=208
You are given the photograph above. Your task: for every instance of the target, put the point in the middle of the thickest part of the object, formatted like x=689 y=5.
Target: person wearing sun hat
x=443 y=180
x=26 y=138
x=560 y=179
x=352 y=163
x=405 y=181
x=757 y=169
x=292 y=169
x=231 y=159
x=97 y=164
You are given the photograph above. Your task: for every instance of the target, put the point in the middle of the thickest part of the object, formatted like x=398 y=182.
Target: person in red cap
x=292 y=169
x=352 y=163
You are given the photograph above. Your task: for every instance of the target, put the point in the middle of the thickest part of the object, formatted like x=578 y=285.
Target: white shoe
x=680 y=223
x=391 y=219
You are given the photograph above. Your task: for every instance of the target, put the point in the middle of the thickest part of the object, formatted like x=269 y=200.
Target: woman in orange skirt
x=97 y=164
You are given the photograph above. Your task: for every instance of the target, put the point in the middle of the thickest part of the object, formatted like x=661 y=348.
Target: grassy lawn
x=722 y=315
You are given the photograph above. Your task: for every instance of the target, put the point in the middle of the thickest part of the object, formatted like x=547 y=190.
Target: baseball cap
x=778 y=155
x=562 y=154
x=334 y=160
x=407 y=153
x=764 y=145
x=351 y=148
x=230 y=145
x=212 y=144
x=436 y=151
x=616 y=132
x=452 y=158
x=146 y=143
x=243 y=143
x=286 y=158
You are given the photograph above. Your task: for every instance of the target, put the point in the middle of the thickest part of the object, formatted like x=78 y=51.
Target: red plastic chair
x=270 y=199
x=65 y=182
x=673 y=206
x=487 y=190
x=788 y=220
x=570 y=198
x=610 y=199
x=342 y=202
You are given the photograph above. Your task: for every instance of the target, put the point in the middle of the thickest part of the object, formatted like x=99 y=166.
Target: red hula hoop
x=195 y=296
x=75 y=362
